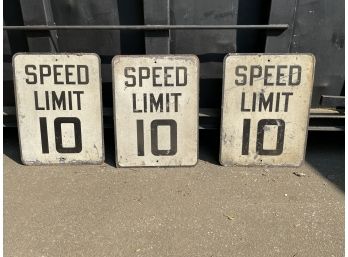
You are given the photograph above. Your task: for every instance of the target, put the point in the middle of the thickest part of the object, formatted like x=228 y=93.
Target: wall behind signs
x=314 y=30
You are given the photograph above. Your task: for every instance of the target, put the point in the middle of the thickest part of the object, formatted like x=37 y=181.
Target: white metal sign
x=266 y=101
x=156 y=110
x=59 y=108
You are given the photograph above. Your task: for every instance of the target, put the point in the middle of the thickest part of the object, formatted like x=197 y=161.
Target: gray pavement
x=207 y=210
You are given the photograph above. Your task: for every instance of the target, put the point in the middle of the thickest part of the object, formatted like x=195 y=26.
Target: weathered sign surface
x=59 y=108
x=266 y=101
x=156 y=110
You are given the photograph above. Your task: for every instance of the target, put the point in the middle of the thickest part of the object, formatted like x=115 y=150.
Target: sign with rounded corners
x=59 y=108
x=265 y=108
x=156 y=110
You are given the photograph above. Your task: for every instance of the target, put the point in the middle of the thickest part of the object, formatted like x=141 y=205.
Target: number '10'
x=154 y=137
x=261 y=135
x=77 y=148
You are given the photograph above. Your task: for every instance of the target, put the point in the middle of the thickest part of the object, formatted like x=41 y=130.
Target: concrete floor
x=208 y=210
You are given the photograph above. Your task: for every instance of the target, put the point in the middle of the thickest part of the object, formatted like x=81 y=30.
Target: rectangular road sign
x=156 y=110
x=59 y=108
x=266 y=101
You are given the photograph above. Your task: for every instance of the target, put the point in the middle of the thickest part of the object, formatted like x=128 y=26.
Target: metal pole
x=143 y=27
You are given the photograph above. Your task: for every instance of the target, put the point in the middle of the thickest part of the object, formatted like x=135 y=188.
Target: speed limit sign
x=156 y=110
x=266 y=101
x=59 y=108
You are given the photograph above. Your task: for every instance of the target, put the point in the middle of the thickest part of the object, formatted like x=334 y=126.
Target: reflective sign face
x=266 y=101
x=156 y=110
x=58 y=98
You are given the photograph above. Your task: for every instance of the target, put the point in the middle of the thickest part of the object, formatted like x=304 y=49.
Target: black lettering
x=239 y=74
x=56 y=73
x=154 y=137
x=277 y=102
x=246 y=137
x=44 y=136
x=58 y=101
x=255 y=72
x=142 y=75
x=261 y=134
x=242 y=108
x=145 y=102
x=295 y=70
x=254 y=102
x=178 y=83
x=286 y=104
x=167 y=102
x=27 y=72
x=155 y=76
x=58 y=134
x=280 y=75
x=268 y=75
x=78 y=93
x=47 y=100
x=134 y=97
x=37 y=107
x=156 y=104
x=140 y=137
x=80 y=77
x=70 y=100
x=44 y=74
x=266 y=103
x=176 y=102
x=166 y=76
x=130 y=76
x=68 y=75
